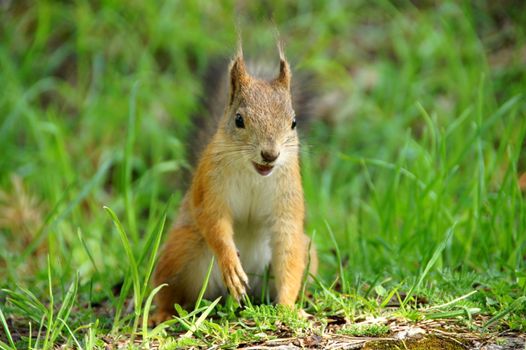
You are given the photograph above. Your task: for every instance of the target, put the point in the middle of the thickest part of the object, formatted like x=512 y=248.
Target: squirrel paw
x=235 y=279
x=159 y=317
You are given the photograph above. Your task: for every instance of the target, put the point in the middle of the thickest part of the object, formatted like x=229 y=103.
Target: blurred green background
x=417 y=146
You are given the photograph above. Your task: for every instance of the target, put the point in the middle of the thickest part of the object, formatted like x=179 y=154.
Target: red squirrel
x=245 y=205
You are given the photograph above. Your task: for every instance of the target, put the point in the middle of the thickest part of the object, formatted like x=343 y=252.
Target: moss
x=373 y=330
x=429 y=343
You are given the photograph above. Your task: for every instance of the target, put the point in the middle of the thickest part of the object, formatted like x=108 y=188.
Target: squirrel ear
x=284 y=70
x=238 y=75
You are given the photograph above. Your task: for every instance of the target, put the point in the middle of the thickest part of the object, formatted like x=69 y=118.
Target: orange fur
x=243 y=209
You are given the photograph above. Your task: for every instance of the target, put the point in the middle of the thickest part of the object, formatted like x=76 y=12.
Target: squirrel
x=245 y=204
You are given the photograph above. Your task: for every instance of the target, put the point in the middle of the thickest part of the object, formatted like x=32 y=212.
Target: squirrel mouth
x=263 y=170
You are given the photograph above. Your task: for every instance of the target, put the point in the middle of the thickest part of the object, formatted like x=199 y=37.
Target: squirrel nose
x=269 y=157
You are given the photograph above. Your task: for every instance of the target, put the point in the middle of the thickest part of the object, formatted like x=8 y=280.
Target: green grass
x=411 y=177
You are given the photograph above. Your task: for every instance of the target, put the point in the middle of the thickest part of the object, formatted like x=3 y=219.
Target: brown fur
x=227 y=195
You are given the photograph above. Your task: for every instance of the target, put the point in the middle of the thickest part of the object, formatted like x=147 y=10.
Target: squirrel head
x=259 y=120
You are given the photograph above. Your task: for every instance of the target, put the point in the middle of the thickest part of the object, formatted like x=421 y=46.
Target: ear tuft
x=238 y=74
x=284 y=75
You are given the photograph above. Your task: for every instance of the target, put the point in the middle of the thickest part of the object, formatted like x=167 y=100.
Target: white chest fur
x=251 y=199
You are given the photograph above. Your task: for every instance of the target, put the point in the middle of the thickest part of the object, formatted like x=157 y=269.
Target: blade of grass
x=338 y=257
x=328 y=291
x=87 y=250
x=50 y=312
x=429 y=265
x=4 y=346
x=84 y=244
x=39 y=333
x=205 y=284
x=128 y=157
x=27 y=302
x=453 y=302
x=6 y=329
x=30 y=335
x=195 y=326
x=431 y=126
x=389 y=296
x=156 y=238
x=499 y=315
x=469 y=312
x=65 y=309
x=134 y=274
x=64 y=324
x=307 y=270
x=146 y=310
x=185 y=318
x=153 y=239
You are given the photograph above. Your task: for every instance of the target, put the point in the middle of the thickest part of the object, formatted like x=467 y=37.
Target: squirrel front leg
x=288 y=266
x=215 y=224
x=289 y=246
x=219 y=237
x=289 y=252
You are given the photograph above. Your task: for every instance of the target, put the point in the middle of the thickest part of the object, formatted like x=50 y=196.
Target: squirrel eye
x=239 y=121
x=293 y=124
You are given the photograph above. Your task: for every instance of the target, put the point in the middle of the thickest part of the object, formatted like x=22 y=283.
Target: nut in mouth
x=262 y=169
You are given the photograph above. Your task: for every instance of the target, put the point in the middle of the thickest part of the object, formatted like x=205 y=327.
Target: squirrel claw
x=235 y=280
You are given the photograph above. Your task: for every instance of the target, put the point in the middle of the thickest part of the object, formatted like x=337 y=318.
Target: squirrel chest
x=250 y=198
